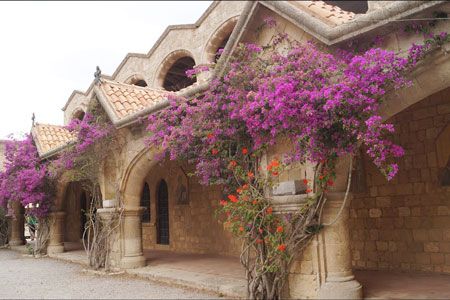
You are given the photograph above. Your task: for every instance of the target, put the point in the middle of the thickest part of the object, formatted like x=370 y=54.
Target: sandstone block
x=431 y=247
x=404 y=211
x=293 y=187
x=375 y=212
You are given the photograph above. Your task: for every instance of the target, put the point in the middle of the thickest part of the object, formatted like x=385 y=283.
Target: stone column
x=132 y=255
x=56 y=242
x=109 y=216
x=17 y=229
x=338 y=281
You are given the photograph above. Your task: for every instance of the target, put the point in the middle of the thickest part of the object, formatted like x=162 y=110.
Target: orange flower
x=324 y=191
x=241 y=228
x=269 y=167
x=233 y=163
x=238 y=190
x=244 y=150
x=308 y=191
x=275 y=163
x=235 y=218
x=330 y=182
x=233 y=198
x=245 y=199
x=282 y=247
x=250 y=174
x=280 y=229
x=215 y=151
x=269 y=210
x=244 y=187
x=255 y=202
x=223 y=202
x=323 y=161
x=276 y=158
x=321 y=177
x=305 y=181
x=260 y=230
x=210 y=135
x=228 y=214
x=274 y=173
x=229 y=223
x=325 y=172
x=259 y=241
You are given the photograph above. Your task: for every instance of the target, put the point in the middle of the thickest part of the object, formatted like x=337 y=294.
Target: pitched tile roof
x=329 y=14
x=49 y=137
x=126 y=99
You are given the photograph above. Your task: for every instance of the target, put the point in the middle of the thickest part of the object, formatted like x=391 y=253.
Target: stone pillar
x=109 y=216
x=132 y=255
x=338 y=281
x=56 y=242
x=17 y=229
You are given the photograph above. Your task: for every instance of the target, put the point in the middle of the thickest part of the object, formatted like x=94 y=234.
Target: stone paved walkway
x=25 y=277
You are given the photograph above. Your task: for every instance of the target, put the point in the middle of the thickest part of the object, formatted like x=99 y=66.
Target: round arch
x=217 y=37
x=77 y=114
x=432 y=76
x=167 y=63
x=136 y=79
x=134 y=176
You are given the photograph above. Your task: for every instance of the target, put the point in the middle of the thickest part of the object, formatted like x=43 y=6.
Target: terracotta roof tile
x=49 y=137
x=127 y=99
x=329 y=14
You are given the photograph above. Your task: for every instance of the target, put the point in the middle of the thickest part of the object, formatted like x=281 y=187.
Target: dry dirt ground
x=23 y=277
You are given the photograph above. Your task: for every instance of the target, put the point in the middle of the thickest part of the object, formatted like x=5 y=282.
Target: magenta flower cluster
x=25 y=178
x=89 y=131
x=324 y=104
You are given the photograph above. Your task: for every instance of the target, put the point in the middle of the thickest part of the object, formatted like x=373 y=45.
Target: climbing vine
x=82 y=162
x=323 y=104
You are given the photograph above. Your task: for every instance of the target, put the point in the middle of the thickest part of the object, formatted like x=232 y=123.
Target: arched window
x=357 y=7
x=79 y=115
x=141 y=83
x=176 y=78
x=162 y=232
x=221 y=47
x=145 y=202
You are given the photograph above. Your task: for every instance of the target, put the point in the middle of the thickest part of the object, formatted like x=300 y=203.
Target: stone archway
x=402 y=225
x=131 y=255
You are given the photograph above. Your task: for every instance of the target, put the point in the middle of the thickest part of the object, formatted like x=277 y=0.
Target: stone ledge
x=288 y=203
x=229 y=287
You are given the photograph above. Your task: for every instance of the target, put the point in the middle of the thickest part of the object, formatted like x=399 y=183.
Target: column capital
x=134 y=211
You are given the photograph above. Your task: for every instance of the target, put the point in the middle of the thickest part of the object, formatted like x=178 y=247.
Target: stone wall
x=2 y=154
x=404 y=224
x=193 y=227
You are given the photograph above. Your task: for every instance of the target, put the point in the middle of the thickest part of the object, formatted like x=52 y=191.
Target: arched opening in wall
x=137 y=80
x=76 y=206
x=357 y=7
x=176 y=78
x=141 y=83
x=219 y=39
x=145 y=202
x=79 y=115
x=220 y=48
x=163 y=214
x=399 y=229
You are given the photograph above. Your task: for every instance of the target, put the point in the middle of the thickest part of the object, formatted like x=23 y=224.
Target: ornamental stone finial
x=97 y=75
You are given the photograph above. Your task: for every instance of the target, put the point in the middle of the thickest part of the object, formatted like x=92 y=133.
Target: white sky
x=49 y=49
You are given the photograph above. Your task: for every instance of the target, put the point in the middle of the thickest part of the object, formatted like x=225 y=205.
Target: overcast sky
x=49 y=49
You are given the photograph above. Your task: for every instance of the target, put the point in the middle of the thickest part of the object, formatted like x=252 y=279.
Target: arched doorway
x=163 y=214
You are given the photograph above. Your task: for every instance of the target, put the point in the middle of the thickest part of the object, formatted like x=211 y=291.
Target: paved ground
x=24 y=277
x=402 y=285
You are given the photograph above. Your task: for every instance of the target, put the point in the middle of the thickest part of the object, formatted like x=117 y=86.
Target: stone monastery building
x=401 y=225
